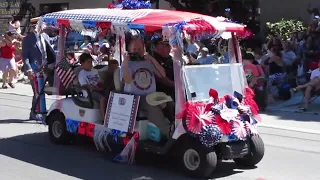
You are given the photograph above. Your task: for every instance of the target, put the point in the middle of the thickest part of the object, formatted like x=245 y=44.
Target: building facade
x=78 y=4
x=275 y=10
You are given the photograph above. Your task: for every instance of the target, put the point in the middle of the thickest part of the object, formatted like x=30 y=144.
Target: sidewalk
x=22 y=89
x=294 y=104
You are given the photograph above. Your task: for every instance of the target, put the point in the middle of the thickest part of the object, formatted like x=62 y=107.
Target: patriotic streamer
x=42 y=98
x=76 y=25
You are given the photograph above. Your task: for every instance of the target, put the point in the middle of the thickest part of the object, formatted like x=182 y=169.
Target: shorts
x=7 y=64
x=96 y=95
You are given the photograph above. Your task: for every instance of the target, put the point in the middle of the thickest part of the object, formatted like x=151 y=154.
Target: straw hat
x=157 y=98
x=34 y=20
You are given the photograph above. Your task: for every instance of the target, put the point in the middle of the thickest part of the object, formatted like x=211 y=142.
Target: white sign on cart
x=121 y=112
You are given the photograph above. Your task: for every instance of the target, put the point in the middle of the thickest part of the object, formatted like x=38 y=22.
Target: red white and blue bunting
x=146 y=19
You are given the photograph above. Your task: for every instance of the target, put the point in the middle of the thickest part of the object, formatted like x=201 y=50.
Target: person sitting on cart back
x=138 y=72
x=89 y=78
x=113 y=65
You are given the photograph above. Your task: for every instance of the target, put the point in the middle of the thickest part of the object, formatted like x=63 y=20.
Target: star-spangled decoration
x=210 y=135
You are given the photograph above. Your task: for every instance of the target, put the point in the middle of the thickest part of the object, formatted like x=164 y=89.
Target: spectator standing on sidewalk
x=7 y=61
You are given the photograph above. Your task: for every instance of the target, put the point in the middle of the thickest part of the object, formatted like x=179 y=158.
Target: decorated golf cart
x=215 y=115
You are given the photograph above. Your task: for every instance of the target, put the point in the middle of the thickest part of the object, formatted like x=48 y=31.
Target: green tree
x=284 y=28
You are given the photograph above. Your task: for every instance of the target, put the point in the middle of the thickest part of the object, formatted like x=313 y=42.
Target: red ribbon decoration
x=104 y=25
x=90 y=130
x=82 y=128
x=63 y=22
x=86 y=129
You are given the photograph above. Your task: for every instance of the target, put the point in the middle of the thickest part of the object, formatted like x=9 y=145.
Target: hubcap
x=191 y=159
x=57 y=129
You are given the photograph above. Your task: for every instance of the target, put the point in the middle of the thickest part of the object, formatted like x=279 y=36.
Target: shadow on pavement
x=291 y=109
x=17 y=121
x=82 y=160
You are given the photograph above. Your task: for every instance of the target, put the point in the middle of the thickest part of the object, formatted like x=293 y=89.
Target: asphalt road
x=27 y=154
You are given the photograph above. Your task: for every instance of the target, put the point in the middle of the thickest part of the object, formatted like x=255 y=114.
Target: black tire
x=255 y=155
x=58 y=118
x=206 y=156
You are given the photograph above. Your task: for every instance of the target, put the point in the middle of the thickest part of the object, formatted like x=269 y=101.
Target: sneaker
x=4 y=86
x=11 y=85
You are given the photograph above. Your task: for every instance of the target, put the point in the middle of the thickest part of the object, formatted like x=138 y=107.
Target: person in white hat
x=205 y=58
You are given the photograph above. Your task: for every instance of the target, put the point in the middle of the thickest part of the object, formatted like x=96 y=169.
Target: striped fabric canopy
x=147 y=19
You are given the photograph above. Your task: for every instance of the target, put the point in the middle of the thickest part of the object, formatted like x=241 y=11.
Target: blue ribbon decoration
x=72 y=126
x=136 y=26
x=233 y=137
x=89 y=24
x=115 y=134
x=50 y=21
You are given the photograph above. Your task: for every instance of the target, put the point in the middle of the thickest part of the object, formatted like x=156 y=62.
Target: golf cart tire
x=255 y=155
x=57 y=117
x=207 y=156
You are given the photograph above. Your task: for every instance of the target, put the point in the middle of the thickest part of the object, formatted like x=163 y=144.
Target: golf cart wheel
x=57 y=128
x=197 y=160
x=255 y=155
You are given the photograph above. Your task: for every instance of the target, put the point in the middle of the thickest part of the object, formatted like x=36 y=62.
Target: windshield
x=73 y=38
x=225 y=78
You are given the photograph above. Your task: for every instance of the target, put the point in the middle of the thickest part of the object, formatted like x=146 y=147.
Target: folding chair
x=314 y=96
x=304 y=79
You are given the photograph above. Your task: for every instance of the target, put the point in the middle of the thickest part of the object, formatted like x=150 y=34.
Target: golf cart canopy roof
x=145 y=19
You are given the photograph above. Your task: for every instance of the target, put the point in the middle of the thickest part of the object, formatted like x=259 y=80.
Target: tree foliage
x=284 y=28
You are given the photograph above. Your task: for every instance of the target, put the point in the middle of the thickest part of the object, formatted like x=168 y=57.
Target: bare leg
x=102 y=107
x=313 y=82
x=4 y=79
x=307 y=96
x=11 y=77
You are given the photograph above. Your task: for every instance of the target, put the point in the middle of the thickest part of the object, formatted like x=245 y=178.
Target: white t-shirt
x=193 y=48
x=315 y=73
x=288 y=57
x=88 y=78
x=12 y=29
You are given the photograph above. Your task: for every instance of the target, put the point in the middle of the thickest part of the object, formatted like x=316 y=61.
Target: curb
x=308 y=131
x=292 y=111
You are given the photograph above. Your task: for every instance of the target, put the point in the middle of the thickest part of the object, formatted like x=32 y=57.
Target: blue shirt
x=206 y=60
x=143 y=78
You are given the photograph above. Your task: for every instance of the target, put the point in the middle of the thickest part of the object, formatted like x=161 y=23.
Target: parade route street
x=27 y=154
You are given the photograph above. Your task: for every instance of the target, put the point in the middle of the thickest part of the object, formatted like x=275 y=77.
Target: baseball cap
x=205 y=49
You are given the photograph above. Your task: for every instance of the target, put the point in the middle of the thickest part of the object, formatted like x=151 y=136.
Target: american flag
x=65 y=72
